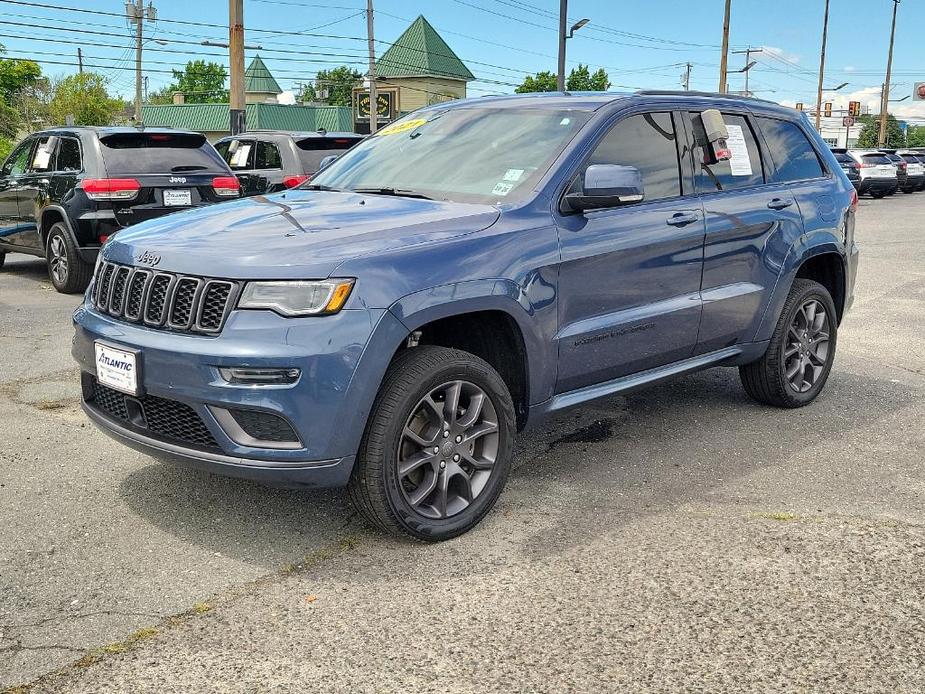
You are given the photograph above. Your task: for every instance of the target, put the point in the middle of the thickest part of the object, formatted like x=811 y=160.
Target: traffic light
x=854 y=108
x=827 y=109
x=799 y=106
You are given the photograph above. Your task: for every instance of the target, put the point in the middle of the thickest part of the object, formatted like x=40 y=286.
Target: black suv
x=268 y=161
x=64 y=191
x=902 y=170
x=847 y=164
x=915 y=168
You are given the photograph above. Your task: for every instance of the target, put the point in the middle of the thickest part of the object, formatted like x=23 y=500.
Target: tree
x=541 y=82
x=337 y=84
x=870 y=133
x=18 y=81
x=85 y=98
x=200 y=82
x=580 y=79
x=915 y=136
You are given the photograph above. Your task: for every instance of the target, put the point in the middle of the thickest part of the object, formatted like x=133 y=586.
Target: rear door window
x=69 y=155
x=743 y=170
x=43 y=155
x=843 y=158
x=150 y=153
x=267 y=156
x=313 y=150
x=648 y=142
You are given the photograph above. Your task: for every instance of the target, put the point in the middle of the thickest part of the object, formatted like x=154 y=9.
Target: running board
x=639 y=380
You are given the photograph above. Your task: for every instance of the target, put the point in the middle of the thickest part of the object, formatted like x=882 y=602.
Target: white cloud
x=849 y=68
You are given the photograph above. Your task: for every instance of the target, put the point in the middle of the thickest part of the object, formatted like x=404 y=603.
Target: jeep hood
x=296 y=234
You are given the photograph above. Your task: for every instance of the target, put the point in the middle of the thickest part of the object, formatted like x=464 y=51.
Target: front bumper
x=342 y=359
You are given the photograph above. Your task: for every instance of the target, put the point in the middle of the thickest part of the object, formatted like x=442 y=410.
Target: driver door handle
x=681 y=219
x=780 y=203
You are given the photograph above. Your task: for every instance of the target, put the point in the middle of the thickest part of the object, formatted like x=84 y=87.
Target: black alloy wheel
x=795 y=367
x=436 y=452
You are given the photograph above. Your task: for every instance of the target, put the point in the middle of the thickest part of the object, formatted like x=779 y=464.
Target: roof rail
x=715 y=95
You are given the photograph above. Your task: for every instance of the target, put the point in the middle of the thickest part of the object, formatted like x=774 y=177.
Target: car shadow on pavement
x=27 y=268
x=585 y=473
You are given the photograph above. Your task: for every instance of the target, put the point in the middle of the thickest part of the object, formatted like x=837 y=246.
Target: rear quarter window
x=149 y=153
x=876 y=159
x=794 y=157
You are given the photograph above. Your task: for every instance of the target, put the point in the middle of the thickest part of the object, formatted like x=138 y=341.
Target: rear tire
x=878 y=195
x=799 y=358
x=424 y=469
x=68 y=272
x=2 y=259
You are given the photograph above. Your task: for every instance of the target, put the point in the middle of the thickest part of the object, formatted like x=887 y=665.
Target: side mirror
x=607 y=185
x=327 y=161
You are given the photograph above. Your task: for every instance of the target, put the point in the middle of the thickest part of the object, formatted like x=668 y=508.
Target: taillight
x=854 y=199
x=226 y=186
x=111 y=188
x=293 y=181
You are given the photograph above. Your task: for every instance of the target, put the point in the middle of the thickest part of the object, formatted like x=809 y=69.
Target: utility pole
x=237 y=111
x=825 y=32
x=885 y=95
x=373 y=96
x=748 y=55
x=139 y=24
x=563 y=20
x=687 y=78
x=80 y=61
x=723 y=60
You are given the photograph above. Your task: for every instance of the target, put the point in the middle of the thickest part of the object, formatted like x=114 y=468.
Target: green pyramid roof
x=421 y=52
x=258 y=80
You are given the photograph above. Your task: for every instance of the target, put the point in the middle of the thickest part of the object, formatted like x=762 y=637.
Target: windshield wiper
x=398 y=192
x=191 y=167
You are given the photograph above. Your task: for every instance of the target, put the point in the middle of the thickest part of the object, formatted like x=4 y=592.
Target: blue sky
x=642 y=47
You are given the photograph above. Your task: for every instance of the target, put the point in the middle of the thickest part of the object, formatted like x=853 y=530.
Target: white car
x=879 y=175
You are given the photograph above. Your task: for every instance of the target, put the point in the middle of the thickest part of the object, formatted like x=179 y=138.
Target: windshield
x=479 y=155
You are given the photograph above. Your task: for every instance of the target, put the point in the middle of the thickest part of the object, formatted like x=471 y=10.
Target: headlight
x=297 y=298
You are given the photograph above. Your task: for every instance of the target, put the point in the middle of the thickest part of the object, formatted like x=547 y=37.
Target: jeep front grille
x=163 y=299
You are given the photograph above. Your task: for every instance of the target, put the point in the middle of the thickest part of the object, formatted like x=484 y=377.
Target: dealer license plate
x=117 y=368
x=177 y=198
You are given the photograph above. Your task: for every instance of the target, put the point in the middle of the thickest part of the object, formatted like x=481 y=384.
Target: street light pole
x=238 y=109
x=373 y=96
x=825 y=31
x=563 y=20
x=723 y=60
x=885 y=96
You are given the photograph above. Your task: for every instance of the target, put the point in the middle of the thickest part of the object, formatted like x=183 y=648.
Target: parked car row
x=65 y=191
x=882 y=172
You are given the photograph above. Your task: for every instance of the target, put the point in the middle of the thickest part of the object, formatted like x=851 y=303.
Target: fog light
x=244 y=376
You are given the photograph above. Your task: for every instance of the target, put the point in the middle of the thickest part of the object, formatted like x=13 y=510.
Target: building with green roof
x=259 y=84
x=213 y=120
x=421 y=68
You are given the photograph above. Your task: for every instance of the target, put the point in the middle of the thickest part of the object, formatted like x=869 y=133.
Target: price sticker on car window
x=402 y=126
x=739 y=163
x=502 y=188
x=239 y=158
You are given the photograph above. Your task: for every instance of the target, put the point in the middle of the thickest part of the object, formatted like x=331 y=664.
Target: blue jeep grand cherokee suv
x=467 y=271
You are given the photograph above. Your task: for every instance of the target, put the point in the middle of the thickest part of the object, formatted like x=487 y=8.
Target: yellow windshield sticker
x=402 y=126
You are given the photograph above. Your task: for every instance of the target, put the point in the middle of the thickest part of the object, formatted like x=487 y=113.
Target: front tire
x=799 y=358
x=437 y=448
x=68 y=272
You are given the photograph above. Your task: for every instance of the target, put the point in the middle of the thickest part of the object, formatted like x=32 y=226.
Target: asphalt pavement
x=679 y=539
